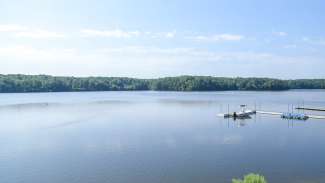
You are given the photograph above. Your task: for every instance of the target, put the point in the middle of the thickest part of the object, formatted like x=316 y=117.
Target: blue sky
x=149 y=39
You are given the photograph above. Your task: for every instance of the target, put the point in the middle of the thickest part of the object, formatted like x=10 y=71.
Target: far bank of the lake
x=44 y=83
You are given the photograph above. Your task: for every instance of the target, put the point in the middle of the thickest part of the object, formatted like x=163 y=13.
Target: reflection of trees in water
x=292 y=122
x=243 y=122
x=240 y=122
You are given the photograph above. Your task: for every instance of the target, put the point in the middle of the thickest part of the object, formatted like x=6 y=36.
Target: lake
x=158 y=137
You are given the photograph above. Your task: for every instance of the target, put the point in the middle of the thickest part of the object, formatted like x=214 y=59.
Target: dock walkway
x=310 y=109
x=279 y=114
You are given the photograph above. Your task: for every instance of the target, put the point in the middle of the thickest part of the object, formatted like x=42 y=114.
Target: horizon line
x=175 y=76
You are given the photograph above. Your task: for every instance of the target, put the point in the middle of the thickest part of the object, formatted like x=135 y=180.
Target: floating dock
x=270 y=113
x=310 y=108
x=281 y=114
x=316 y=117
x=297 y=116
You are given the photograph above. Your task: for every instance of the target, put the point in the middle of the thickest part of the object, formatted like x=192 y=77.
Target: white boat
x=243 y=113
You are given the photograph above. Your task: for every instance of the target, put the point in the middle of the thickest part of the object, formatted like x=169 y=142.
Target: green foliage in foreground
x=45 y=83
x=250 y=178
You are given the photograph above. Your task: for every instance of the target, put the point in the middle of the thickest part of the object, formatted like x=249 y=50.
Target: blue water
x=145 y=137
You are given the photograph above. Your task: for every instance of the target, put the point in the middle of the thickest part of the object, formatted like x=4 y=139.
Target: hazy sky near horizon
x=156 y=38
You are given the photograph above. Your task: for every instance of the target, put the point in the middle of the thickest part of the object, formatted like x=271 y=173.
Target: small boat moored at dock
x=242 y=114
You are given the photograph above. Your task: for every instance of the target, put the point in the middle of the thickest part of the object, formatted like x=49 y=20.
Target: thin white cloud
x=170 y=34
x=290 y=46
x=39 y=34
x=29 y=52
x=159 y=35
x=20 y=31
x=117 y=33
x=318 y=41
x=229 y=37
x=187 y=53
x=129 y=61
x=218 y=37
x=147 y=50
x=12 y=28
x=279 y=33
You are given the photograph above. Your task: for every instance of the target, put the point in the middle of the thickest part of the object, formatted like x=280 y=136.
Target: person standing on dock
x=235 y=115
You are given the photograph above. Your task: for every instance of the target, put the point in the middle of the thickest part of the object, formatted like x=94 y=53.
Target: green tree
x=44 y=83
x=251 y=178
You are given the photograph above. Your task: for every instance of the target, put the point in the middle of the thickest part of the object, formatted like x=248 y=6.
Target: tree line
x=45 y=83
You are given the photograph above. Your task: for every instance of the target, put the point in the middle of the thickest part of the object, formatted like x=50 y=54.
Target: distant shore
x=18 y=83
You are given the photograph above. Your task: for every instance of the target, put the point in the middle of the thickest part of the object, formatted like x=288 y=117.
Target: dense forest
x=45 y=83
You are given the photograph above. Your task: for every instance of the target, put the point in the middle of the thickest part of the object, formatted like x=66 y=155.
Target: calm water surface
x=157 y=137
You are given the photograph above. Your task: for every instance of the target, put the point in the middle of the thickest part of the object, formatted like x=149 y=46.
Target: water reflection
x=239 y=123
x=156 y=137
